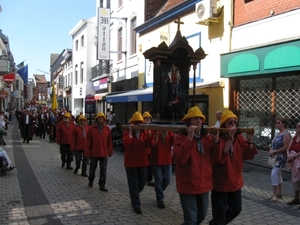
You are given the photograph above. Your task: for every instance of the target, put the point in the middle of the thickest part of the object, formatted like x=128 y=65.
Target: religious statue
x=173 y=84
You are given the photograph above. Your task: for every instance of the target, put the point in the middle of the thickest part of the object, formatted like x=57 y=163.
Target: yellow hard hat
x=67 y=115
x=99 y=115
x=193 y=112
x=81 y=117
x=136 y=117
x=147 y=114
x=226 y=114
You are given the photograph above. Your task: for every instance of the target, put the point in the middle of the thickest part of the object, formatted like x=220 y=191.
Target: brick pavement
x=39 y=191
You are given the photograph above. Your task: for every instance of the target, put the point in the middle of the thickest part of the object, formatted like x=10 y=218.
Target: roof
x=40 y=78
x=169 y=5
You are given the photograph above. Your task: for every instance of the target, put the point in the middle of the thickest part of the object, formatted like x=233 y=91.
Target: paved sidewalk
x=39 y=192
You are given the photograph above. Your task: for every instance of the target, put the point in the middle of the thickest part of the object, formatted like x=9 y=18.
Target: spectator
x=278 y=149
x=293 y=164
x=218 y=117
x=9 y=163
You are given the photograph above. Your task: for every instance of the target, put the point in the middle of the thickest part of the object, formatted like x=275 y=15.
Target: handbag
x=272 y=161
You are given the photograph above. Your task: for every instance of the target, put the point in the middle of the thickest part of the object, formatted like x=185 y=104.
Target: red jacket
x=98 y=144
x=227 y=173
x=161 y=151
x=193 y=168
x=64 y=132
x=136 y=153
x=77 y=138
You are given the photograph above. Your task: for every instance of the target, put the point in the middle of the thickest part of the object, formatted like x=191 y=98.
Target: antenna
x=43 y=71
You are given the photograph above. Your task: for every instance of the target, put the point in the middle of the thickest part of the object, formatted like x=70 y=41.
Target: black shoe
x=24 y=141
x=69 y=168
x=84 y=175
x=293 y=202
x=27 y=141
x=90 y=184
x=151 y=184
x=138 y=211
x=161 y=204
x=11 y=168
x=75 y=171
x=103 y=189
x=63 y=164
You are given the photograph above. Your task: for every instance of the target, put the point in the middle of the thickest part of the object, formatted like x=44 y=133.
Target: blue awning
x=139 y=95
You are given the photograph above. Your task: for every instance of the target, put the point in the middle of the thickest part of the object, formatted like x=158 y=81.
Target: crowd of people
x=206 y=161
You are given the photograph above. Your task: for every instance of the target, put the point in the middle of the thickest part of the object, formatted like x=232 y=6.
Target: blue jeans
x=194 y=208
x=136 y=178
x=103 y=167
x=225 y=206
x=162 y=177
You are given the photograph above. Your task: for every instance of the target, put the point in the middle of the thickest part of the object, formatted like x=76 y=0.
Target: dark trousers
x=26 y=133
x=66 y=154
x=225 y=206
x=42 y=130
x=79 y=155
x=136 y=178
x=103 y=166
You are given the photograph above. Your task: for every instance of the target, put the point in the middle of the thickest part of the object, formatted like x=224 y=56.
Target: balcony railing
x=102 y=68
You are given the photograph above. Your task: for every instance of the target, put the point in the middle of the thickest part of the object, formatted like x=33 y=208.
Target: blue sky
x=37 y=28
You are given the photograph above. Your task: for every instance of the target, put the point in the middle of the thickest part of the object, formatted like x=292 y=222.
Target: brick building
x=41 y=89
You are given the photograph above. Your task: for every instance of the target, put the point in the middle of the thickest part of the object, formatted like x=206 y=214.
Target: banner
x=23 y=72
x=103 y=33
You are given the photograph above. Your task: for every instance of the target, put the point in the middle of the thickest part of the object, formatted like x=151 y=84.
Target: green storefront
x=264 y=84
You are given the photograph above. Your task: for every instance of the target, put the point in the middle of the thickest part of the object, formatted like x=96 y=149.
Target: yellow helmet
x=81 y=117
x=193 y=112
x=99 y=115
x=147 y=114
x=226 y=114
x=136 y=117
x=67 y=115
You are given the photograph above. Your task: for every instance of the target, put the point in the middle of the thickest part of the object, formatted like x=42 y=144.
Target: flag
x=20 y=65
x=54 y=100
x=23 y=72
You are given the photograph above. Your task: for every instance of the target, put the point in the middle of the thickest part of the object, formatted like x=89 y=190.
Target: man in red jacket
x=63 y=138
x=98 y=147
x=78 y=144
x=227 y=173
x=136 y=159
x=194 y=154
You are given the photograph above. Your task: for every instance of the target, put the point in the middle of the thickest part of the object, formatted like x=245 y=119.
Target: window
x=133 y=36
x=76 y=45
x=120 y=43
x=82 y=40
x=120 y=3
x=70 y=80
x=76 y=74
x=81 y=72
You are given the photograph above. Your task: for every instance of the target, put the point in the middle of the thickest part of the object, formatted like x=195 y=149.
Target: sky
x=37 y=28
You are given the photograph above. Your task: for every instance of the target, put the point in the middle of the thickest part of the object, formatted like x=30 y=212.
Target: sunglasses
x=232 y=122
x=298 y=125
x=278 y=122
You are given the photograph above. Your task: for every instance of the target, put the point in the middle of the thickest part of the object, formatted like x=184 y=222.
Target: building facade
x=263 y=65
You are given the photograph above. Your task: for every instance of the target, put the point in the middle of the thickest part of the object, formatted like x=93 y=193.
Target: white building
x=83 y=59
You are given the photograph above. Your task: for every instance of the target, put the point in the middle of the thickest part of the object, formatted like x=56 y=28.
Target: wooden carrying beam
x=184 y=128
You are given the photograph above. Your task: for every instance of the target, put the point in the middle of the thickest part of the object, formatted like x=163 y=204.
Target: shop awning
x=100 y=95
x=139 y=95
x=280 y=57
